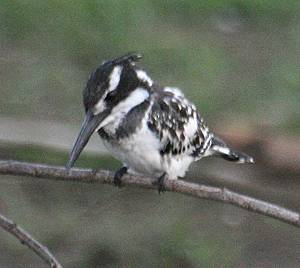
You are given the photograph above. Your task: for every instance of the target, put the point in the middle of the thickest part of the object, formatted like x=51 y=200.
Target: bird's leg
x=119 y=174
x=161 y=183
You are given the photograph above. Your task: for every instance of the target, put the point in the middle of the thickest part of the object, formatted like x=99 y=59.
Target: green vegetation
x=238 y=58
x=35 y=153
x=239 y=62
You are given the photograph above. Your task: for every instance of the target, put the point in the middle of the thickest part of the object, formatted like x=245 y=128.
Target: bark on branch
x=201 y=191
x=26 y=239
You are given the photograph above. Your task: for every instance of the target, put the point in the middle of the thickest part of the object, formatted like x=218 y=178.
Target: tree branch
x=26 y=239
x=201 y=191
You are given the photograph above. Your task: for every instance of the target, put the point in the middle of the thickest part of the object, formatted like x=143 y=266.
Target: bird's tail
x=219 y=148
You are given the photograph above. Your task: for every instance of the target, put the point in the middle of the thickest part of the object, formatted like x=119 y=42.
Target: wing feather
x=177 y=123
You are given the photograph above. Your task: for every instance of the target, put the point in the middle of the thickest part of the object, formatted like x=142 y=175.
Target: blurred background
x=239 y=61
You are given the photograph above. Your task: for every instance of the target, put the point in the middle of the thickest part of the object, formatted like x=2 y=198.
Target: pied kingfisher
x=151 y=129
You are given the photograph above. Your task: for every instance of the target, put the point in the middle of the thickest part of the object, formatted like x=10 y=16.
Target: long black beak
x=89 y=125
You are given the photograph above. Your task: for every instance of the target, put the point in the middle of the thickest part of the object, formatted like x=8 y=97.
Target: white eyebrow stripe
x=114 y=78
x=99 y=107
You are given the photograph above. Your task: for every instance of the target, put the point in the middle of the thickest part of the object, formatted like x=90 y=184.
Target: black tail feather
x=219 y=148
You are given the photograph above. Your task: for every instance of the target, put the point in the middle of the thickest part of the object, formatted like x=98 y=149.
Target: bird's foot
x=161 y=183
x=118 y=175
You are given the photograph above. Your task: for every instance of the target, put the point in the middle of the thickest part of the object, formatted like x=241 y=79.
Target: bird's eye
x=110 y=95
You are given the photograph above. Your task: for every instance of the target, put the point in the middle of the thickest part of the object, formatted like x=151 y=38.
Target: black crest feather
x=130 y=57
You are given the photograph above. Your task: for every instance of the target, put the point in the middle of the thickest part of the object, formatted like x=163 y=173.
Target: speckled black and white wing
x=177 y=124
x=152 y=130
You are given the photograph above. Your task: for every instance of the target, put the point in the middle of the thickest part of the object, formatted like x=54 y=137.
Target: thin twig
x=26 y=239
x=201 y=191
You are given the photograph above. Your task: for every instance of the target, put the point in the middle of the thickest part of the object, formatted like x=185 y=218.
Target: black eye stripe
x=110 y=95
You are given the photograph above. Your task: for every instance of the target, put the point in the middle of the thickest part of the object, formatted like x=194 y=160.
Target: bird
x=153 y=130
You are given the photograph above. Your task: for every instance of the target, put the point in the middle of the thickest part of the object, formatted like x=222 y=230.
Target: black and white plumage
x=153 y=130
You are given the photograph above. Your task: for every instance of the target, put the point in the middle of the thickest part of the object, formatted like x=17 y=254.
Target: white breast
x=140 y=151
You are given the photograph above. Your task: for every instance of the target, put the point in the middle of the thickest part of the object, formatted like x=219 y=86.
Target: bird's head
x=112 y=88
